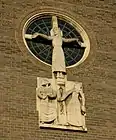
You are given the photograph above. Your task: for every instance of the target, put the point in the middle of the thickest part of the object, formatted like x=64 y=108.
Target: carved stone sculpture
x=60 y=103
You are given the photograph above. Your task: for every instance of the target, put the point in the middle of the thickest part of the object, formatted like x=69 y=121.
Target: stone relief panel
x=63 y=108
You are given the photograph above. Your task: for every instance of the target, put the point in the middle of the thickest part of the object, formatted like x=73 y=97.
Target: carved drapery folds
x=63 y=108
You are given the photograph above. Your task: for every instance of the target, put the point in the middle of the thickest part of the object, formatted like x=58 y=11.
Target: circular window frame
x=69 y=20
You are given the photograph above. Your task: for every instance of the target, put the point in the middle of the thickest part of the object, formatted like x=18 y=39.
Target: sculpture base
x=63 y=127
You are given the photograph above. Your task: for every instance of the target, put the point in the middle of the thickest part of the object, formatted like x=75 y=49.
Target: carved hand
x=82 y=44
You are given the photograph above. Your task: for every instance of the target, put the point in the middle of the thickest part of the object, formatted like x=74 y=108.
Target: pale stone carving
x=61 y=109
x=46 y=103
x=60 y=103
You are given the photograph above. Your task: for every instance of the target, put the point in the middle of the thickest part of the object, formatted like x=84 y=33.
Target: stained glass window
x=42 y=49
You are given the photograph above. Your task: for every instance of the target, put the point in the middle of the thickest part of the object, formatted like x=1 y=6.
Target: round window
x=42 y=49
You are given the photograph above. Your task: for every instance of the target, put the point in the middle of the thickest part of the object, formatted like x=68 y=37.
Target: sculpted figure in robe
x=75 y=105
x=46 y=102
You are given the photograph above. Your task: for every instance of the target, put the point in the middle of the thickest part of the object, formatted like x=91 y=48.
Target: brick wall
x=18 y=116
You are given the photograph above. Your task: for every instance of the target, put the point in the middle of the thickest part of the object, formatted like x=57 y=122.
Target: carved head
x=45 y=83
x=55 y=30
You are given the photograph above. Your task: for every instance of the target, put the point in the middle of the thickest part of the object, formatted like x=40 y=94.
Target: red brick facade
x=18 y=115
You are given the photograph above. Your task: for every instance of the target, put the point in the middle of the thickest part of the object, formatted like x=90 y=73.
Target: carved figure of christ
x=56 y=36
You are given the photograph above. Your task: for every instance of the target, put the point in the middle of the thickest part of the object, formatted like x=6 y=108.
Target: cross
x=56 y=36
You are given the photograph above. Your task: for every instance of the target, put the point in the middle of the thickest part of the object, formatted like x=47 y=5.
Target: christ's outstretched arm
x=74 y=40
x=36 y=35
x=70 y=40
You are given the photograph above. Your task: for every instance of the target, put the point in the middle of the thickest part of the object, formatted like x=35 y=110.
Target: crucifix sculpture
x=58 y=98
